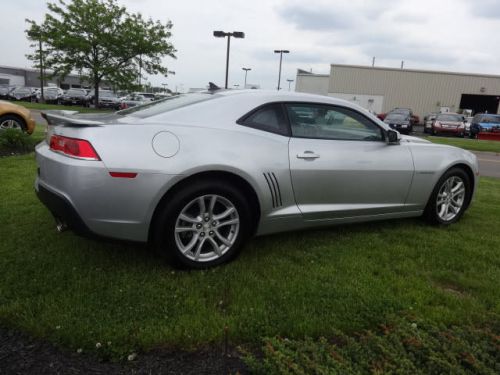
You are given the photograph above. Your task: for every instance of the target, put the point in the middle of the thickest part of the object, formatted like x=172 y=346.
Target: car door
x=342 y=167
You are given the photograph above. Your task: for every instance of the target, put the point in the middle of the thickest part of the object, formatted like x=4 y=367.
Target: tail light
x=73 y=147
x=437 y=123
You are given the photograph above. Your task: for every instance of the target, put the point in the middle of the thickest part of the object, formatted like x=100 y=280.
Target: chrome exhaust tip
x=61 y=226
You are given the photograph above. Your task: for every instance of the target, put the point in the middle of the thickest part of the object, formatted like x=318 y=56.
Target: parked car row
x=76 y=96
x=460 y=125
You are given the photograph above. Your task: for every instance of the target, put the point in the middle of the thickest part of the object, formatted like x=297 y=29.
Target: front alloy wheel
x=450 y=197
x=206 y=228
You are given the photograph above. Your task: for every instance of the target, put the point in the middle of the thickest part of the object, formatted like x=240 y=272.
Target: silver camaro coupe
x=196 y=175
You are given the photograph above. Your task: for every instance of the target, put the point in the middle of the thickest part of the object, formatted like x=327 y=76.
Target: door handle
x=307 y=155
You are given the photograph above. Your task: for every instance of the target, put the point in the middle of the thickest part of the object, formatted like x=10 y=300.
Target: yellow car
x=13 y=116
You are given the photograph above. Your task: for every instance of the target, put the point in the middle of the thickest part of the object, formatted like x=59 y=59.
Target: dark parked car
x=26 y=94
x=399 y=121
x=414 y=119
x=484 y=122
x=449 y=123
x=76 y=97
x=5 y=91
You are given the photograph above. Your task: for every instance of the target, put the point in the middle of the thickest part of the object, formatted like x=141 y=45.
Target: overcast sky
x=454 y=35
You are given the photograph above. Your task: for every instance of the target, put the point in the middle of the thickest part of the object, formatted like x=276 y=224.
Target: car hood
x=11 y=107
x=411 y=139
x=454 y=123
x=489 y=124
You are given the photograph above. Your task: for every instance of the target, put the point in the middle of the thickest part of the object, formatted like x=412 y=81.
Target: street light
x=246 y=72
x=289 y=83
x=281 y=52
x=222 y=34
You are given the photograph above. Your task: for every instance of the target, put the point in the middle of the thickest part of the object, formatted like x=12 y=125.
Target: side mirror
x=392 y=137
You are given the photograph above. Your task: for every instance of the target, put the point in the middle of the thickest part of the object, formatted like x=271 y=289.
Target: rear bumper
x=449 y=131
x=62 y=210
x=84 y=195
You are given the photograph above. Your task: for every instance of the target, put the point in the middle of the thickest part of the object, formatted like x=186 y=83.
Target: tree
x=101 y=41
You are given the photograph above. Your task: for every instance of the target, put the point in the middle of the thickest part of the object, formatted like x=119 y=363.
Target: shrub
x=404 y=347
x=13 y=141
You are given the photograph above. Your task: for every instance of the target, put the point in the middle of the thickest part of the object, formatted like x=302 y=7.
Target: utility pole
x=281 y=52
x=222 y=34
x=373 y=61
x=246 y=72
x=42 y=97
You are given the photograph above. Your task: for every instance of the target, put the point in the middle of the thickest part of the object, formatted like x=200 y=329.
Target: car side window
x=269 y=118
x=331 y=122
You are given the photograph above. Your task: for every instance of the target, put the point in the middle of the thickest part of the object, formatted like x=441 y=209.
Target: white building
x=382 y=89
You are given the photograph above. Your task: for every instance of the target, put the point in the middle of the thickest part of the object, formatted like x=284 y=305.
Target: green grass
x=468 y=144
x=41 y=106
x=77 y=292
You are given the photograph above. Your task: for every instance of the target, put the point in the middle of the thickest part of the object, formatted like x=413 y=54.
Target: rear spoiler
x=63 y=117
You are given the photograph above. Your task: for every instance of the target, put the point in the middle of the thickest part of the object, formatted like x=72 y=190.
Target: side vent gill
x=274 y=188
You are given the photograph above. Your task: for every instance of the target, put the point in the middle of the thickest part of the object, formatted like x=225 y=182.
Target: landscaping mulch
x=22 y=354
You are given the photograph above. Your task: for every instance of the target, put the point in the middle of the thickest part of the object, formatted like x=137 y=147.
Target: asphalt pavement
x=489 y=164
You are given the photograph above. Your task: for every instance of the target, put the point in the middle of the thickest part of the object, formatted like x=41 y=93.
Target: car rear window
x=166 y=105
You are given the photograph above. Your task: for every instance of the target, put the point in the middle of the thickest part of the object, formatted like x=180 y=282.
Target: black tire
x=164 y=239
x=431 y=210
x=19 y=121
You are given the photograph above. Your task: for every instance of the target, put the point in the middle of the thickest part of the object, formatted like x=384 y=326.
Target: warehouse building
x=382 y=89
x=12 y=76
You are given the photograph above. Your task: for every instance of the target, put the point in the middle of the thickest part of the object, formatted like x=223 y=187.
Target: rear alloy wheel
x=11 y=122
x=203 y=225
x=449 y=198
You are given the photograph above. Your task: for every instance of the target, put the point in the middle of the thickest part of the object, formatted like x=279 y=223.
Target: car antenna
x=213 y=87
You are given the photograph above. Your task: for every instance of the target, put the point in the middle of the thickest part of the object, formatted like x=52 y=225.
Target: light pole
x=281 y=52
x=222 y=34
x=289 y=83
x=246 y=72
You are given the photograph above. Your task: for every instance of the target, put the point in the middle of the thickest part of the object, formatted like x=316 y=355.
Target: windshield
x=76 y=92
x=451 y=118
x=165 y=105
x=106 y=94
x=396 y=117
x=22 y=90
x=494 y=119
x=401 y=110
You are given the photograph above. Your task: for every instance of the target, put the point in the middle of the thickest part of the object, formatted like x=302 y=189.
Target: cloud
x=311 y=18
x=486 y=9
